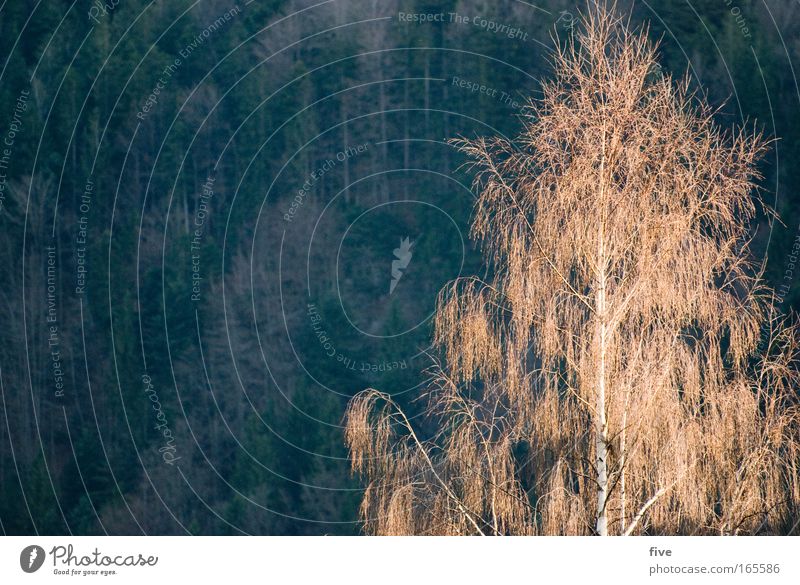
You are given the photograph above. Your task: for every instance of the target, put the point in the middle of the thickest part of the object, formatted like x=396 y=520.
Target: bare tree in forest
x=623 y=371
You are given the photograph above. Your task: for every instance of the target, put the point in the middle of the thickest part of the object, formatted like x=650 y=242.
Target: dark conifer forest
x=222 y=219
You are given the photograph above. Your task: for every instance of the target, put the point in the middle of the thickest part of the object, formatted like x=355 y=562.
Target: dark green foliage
x=248 y=390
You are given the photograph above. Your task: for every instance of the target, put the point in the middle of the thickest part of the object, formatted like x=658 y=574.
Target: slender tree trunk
x=601 y=430
x=622 y=447
x=601 y=435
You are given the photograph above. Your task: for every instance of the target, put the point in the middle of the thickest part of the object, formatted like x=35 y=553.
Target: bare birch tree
x=622 y=371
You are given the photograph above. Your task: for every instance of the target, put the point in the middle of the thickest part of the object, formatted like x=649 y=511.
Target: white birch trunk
x=601 y=430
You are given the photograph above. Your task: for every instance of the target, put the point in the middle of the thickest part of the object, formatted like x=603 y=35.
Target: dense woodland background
x=293 y=317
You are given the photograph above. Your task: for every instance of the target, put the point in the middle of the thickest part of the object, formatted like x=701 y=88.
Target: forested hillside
x=221 y=221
